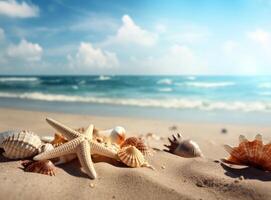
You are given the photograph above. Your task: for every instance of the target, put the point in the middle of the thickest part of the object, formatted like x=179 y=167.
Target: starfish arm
x=64 y=149
x=99 y=149
x=84 y=156
x=89 y=131
x=66 y=131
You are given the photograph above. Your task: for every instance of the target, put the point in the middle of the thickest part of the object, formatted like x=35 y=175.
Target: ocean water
x=247 y=95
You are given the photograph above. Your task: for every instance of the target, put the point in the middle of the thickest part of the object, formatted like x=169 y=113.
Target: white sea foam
x=165 y=89
x=165 y=81
x=104 y=78
x=75 y=87
x=162 y=103
x=207 y=84
x=191 y=78
x=17 y=79
x=265 y=85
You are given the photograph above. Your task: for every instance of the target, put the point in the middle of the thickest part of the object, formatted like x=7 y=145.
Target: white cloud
x=88 y=56
x=260 y=36
x=2 y=34
x=130 y=33
x=12 y=8
x=26 y=51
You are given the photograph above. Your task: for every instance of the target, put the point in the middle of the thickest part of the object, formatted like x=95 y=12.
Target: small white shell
x=22 y=145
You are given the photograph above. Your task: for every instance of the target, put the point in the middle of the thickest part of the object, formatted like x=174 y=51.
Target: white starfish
x=80 y=144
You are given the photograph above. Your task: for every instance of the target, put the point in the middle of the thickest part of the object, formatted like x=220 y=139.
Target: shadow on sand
x=247 y=173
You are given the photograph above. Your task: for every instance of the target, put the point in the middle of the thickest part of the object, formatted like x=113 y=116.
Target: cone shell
x=183 y=148
x=42 y=167
x=138 y=143
x=250 y=153
x=131 y=156
x=22 y=145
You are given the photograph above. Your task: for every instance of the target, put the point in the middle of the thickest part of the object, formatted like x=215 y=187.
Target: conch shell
x=138 y=143
x=184 y=148
x=42 y=167
x=132 y=157
x=250 y=153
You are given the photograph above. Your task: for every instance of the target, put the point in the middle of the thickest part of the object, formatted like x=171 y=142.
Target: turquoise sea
x=244 y=99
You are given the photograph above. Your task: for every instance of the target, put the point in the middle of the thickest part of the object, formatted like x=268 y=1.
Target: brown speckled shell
x=250 y=153
x=42 y=167
x=138 y=143
x=22 y=145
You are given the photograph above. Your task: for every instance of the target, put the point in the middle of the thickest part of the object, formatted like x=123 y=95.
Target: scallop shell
x=184 y=148
x=6 y=134
x=138 y=143
x=42 y=167
x=250 y=153
x=59 y=140
x=22 y=145
x=131 y=156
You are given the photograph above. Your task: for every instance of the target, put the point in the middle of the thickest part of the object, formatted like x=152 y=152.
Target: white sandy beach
x=174 y=177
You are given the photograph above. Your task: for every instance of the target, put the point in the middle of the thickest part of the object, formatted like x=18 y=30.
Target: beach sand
x=174 y=177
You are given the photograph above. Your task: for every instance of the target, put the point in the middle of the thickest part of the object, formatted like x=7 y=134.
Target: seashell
x=250 y=153
x=132 y=157
x=45 y=147
x=42 y=167
x=6 y=134
x=47 y=139
x=115 y=136
x=184 y=148
x=59 y=140
x=138 y=143
x=22 y=145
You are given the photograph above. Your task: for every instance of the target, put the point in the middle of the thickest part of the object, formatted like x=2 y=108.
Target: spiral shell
x=250 y=153
x=22 y=145
x=42 y=167
x=183 y=148
x=138 y=143
x=131 y=156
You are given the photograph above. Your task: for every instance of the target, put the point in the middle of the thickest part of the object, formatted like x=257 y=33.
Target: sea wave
x=165 y=89
x=265 y=85
x=191 y=78
x=165 y=81
x=17 y=79
x=161 y=103
x=207 y=84
x=103 y=78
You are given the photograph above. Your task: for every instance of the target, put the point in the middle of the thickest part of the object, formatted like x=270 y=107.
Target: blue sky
x=135 y=37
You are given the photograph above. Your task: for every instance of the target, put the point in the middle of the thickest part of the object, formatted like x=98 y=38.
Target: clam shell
x=184 y=148
x=131 y=156
x=138 y=143
x=250 y=153
x=42 y=167
x=22 y=145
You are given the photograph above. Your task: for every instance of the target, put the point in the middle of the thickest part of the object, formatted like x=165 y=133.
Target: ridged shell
x=183 y=148
x=22 y=145
x=250 y=153
x=131 y=156
x=138 y=143
x=42 y=167
x=6 y=134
